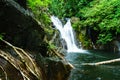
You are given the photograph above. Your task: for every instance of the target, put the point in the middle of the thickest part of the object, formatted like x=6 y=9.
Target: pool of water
x=101 y=72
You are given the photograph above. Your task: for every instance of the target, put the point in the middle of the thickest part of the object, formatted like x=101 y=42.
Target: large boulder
x=20 y=28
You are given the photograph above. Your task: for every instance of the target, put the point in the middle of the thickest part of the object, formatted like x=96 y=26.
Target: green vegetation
x=67 y=8
x=40 y=10
x=100 y=15
x=1 y=36
x=103 y=16
x=41 y=13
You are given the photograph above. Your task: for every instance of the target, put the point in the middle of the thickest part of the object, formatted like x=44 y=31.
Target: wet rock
x=22 y=3
x=20 y=28
x=57 y=70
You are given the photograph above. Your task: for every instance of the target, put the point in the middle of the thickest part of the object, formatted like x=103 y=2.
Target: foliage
x=75 y=23
x=67 y=8
x=40 y=10
x=100 y=15
x=42 y=3
x=1 y=36
x=105 y=38
x=70 y=8
x=42 y=14
x=103 y=15
x=57 y=8
x=51 y=46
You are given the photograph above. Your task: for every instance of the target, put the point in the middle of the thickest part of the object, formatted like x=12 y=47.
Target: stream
x=101 y=72
x=77 y=57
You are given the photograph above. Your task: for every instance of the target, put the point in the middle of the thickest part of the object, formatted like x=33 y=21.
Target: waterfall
x=66 y=33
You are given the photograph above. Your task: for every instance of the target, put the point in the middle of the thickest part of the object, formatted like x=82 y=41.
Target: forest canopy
x=100 y=15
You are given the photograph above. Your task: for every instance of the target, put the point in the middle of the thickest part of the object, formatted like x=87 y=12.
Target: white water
x=66 y=33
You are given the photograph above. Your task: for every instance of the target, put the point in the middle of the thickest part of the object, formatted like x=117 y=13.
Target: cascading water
x=66 y=33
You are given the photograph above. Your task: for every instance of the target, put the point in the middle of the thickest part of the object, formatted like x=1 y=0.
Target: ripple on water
x=101 y=72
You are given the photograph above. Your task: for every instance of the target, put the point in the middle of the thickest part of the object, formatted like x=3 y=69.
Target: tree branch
x=102 y=62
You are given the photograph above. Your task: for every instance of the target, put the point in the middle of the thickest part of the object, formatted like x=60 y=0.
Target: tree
x=103 y=16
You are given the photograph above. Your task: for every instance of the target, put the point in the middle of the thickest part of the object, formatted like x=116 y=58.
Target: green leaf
x=1 y=36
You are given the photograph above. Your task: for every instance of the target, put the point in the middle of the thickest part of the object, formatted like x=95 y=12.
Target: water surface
x=101 y=72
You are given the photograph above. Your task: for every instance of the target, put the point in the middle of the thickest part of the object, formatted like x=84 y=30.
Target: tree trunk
x=102 y=62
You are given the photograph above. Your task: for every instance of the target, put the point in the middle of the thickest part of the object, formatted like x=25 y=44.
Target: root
x=25 y=59
x=60 y=56
x=6 y=78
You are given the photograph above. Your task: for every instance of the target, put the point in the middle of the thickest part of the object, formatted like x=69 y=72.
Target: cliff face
x=19 y=28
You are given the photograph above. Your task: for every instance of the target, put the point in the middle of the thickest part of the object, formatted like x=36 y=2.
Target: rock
x=58 y=70
x=75 y=19
x=22 y=3
x=20 y=28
